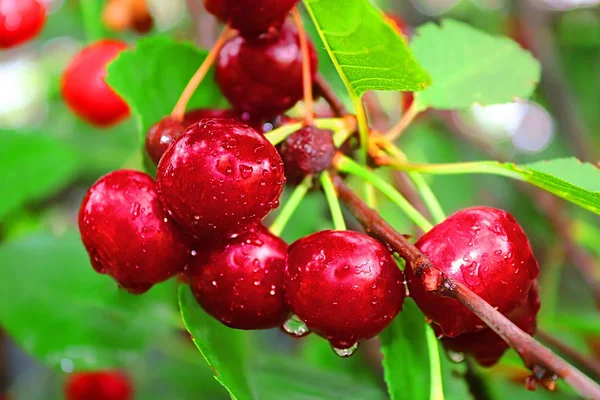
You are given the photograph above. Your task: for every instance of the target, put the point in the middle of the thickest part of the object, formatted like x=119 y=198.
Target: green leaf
x=469 y=66
x=223 y=348
x=33 y=166
x=61 y=311
x=151 y=77
x=366 y=50
x=405 y=355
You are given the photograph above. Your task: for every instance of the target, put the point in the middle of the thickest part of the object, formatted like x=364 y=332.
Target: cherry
x=219 y=177
x=20 y=21
x=84 y=89
x=100 y=385
x=251 y=17
x=240 y=280
x=486 y=346
x=344 y=285
x=487 y=250
x=307 y=151
x=263 y=76
x=161 y=134
x=128 y=235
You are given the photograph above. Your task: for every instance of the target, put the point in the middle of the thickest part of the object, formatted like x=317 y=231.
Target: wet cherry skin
x=263 y=76
x=307 y=151
x=20 y=21
x=251 y=17
x=486 y=346
x=240 y=280
x=161 y=134
x=128 y=235
x=487 y=250
x=220 y=177
x=344 y=285
x=84 y=89
x=100 y=385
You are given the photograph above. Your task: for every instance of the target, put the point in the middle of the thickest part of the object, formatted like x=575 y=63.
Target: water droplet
x=245 y=171
x=135 y=209
x=456 y=356
x=346 y=352
x=214 y=283
x=295 y=327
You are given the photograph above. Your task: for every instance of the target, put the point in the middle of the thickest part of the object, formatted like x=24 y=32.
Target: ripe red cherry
x=251 y=17
x=307 y=151
x=487 y=250
x=263 y=76
x=220 y=177
x=128 y=235
x=486 y=346
x=240 y=280
x=20 y=21
x=344 y=285
x=84 y=89
x=101 y=385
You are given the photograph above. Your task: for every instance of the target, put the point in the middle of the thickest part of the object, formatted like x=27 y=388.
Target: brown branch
x=323 y=89
x=591 y=365
x=543 y=362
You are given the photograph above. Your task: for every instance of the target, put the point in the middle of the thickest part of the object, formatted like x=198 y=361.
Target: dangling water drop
x=346 y=352
x=456 y=356
x=295 y=327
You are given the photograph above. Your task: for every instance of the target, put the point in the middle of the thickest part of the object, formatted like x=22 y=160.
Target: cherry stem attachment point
x=535 y=355
x=179 y=109
x=307 y=84
x=290 y=206
x=407 y=118
x=333 y=201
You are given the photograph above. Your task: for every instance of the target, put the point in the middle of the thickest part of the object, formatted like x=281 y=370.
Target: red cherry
x=487 y=250
x=101 y=385
x=20 y=21
x=307 y=151
x=251 y=17
x=263 y=76
x=240 y=280
x=344 y=285
x=128 y=235
x=486 y=346
x=84 y=89
x=219 y=177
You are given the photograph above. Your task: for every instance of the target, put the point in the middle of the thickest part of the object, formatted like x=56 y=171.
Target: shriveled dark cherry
x=20 y=21
x=220 y=177
x=84 y=89
x=240 y=280
x=101 y=385
x=487 y=250
x=307 y=151
x=251 y=17
x=128 y=235
x=486 y=346
x=263 y=76
x=344 y=285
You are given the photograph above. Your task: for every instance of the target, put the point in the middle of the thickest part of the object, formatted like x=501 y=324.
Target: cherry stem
x=407 y=118
x=290 y=206
x=179 y=110
x=533 y=354
x=346 y=164
x=307 y=83
x=475 y=167
x=92 y=23
x=333 y=201
x=324 y=90
x=338 y=125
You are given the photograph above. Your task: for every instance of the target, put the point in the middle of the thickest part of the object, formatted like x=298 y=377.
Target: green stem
x=436 y=388
x=333 y=201
x=278 y=135
x=91 y=11
x=290 y=206
x=476 y=167
x=432 y=203
x=347 y=165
